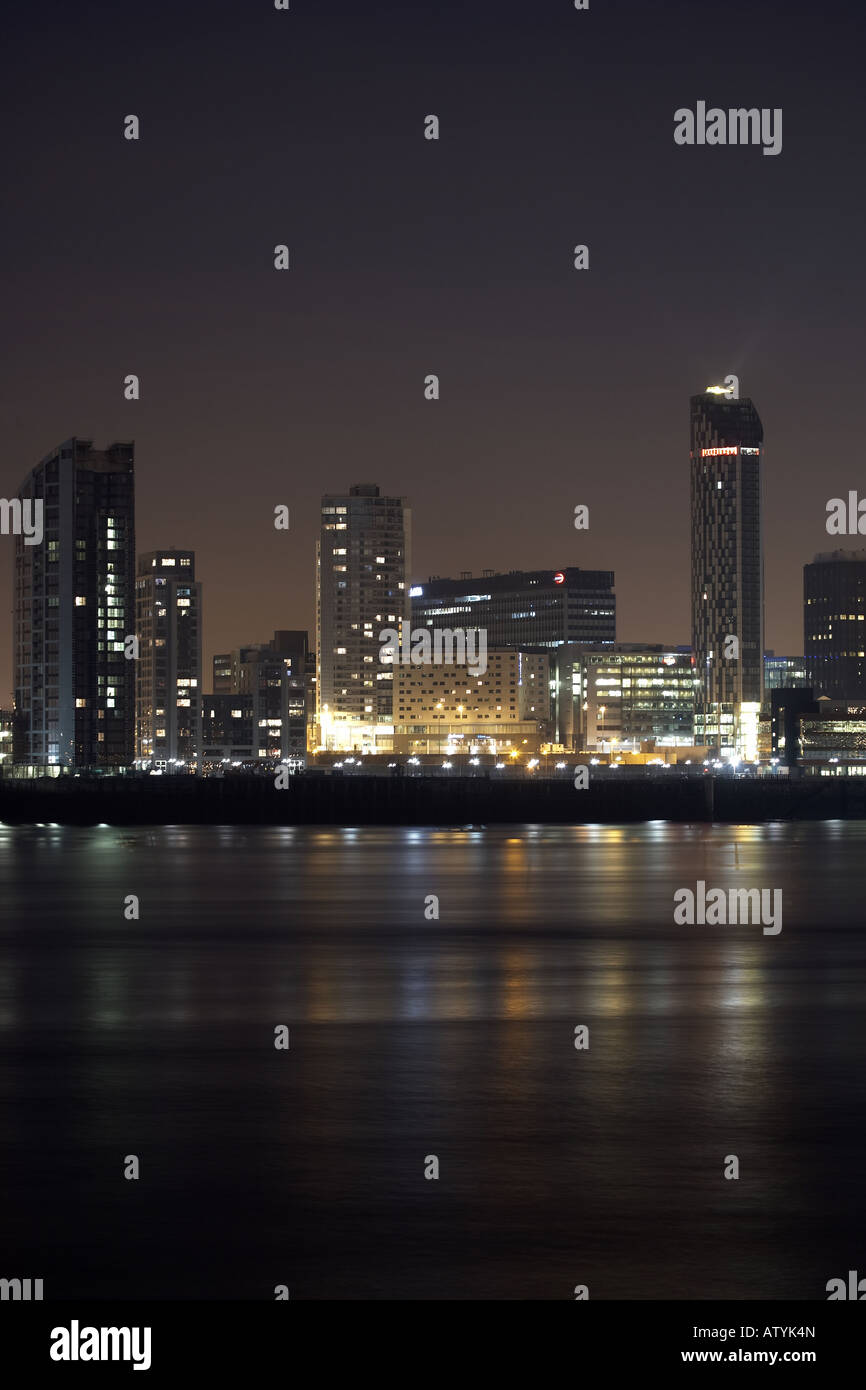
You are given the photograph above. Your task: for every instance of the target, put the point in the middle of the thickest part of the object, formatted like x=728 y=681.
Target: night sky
x=409 y=257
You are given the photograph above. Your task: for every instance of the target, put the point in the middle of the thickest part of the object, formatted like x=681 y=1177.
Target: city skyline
x=361 y=595
x=302 y=603
x=76 y=616
x=416 y=583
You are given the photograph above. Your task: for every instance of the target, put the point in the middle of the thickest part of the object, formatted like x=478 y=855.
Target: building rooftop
x=839 y=557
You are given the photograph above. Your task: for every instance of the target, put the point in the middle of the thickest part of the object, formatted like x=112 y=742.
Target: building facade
x=814 y=737
x=230 y=733
x=258 y=711
x=75 y=612
x=833 y=744
x=727 y=571
x=445 y=709
x=785 y=673
x=363 y=558
x=168 y=603
x=7 y=728
x=834 y=624
x=786 y=705
x=635 y=696
x=524 y=608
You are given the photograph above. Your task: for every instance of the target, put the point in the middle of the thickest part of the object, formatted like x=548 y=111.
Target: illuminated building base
x=730 y=730
x=747 y=731
x=512 y=738
x=338 y=734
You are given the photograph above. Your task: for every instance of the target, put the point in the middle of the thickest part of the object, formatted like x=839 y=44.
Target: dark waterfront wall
x=316 y=799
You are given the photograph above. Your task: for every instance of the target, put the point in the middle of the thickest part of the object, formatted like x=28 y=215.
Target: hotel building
x=446 y=709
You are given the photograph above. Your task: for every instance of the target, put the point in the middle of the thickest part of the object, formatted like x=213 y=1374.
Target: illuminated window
x=80 y=600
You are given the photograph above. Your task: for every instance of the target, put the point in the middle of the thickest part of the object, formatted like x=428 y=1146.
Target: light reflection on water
x=413 y=1036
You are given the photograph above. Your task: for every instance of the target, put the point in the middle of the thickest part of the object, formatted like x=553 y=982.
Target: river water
x=414 y=1037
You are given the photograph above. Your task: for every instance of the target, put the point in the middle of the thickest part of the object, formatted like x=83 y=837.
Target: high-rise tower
x=727 y=444
x=74 y=610
x=362 y=560
x=168 y=671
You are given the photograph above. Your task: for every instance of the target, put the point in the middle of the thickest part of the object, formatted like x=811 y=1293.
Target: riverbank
x=314 y=798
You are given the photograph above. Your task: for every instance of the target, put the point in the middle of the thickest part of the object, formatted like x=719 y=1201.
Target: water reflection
x=453 y=1035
